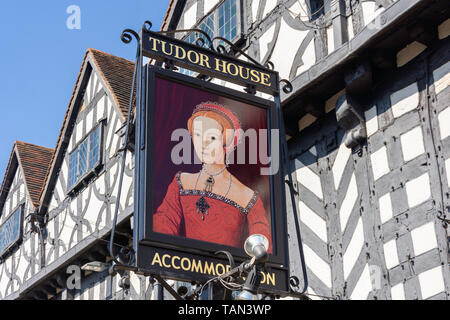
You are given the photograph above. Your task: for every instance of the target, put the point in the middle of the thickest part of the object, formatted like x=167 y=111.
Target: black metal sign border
x=146 y=236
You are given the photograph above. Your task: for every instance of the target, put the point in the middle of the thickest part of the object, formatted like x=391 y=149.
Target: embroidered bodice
x=226 y=223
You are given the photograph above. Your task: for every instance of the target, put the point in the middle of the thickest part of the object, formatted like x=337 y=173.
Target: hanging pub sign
x=208 y=167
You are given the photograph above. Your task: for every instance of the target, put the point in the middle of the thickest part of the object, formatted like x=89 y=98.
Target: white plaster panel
x=89 y=120
x=135 y=283
x=409 y=52
x=92 y=213
x=3 y=280
x=312 y=294
x=306 y=121
x=391 y=254
x=67 y=225
x=370 y=11
x=444 y=29
x=79 y=132
x=424 y=238
x=313 y=221
x=351 y=33
x=405 y=100
x=363 y=286
x=330 y=39
x=190 y=16
x=354 y=249
x=320 y=268
x=51 y=236
x=87 y=95
x=285 y=50
x=398 y=292
x=270 y=5
x=447 y=169
x=441 y=78
x=412 y=144
x=339 y=164
x=309 y=58
x=310 y=180
x=330 y=104
x=444 y=123
x=380 y=164
x=209 y=4
x=96 y=291
x=255 y=6
x=21 y=264
x=418 y=190
x=385 y=208
x=371 y=120
x=348 y=203
x=431 y=282
x=101 y=108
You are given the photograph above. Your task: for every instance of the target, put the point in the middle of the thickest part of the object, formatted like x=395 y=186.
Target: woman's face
x=208 y=140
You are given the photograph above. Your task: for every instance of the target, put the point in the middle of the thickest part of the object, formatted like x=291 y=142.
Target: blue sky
x=40 y=58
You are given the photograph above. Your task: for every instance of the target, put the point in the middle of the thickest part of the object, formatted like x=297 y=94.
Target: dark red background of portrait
x=174 y=103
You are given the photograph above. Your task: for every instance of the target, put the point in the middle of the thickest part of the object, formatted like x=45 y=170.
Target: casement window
x=224 y=21
x=11 y=231
x=316 y=9
x=86 y=157
x=227 y=16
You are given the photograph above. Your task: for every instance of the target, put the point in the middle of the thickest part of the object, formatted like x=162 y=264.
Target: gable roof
x=166 y=16
x=117 y=75
x=35 y=162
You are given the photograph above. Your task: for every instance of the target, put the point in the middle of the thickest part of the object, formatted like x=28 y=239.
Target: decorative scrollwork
x=204 y=34
x=147 y=25
x=269 y=65
x=127 y=36
x=235 y=49
x=287 y=88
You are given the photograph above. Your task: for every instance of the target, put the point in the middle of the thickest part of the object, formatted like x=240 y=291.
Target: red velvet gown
x=226 y=222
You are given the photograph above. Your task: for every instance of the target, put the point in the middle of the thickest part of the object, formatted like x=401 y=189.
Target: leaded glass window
x=86 y=157
x=228 y=20
x=94 y=148
x=11 y=230
x=82 y=157
x=73 y=171
x=208 y=26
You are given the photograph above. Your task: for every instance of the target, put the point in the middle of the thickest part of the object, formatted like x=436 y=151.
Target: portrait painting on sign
x=208 y=157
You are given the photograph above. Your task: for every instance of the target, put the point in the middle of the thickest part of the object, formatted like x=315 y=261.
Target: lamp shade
x=254 y=241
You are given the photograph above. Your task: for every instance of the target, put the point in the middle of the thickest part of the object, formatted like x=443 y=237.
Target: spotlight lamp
x=255 y=246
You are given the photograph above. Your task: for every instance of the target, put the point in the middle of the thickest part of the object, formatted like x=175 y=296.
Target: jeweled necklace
x=201 y=204
x=209 y=183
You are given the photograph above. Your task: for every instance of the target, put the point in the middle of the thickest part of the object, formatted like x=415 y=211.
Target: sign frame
x=278 y=263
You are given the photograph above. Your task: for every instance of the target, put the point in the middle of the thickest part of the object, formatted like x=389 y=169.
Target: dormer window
x=85 y=158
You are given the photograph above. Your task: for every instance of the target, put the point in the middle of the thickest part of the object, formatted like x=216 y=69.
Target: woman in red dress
x=212 y=205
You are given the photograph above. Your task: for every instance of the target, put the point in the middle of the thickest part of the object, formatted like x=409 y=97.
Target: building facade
x=368 y=133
